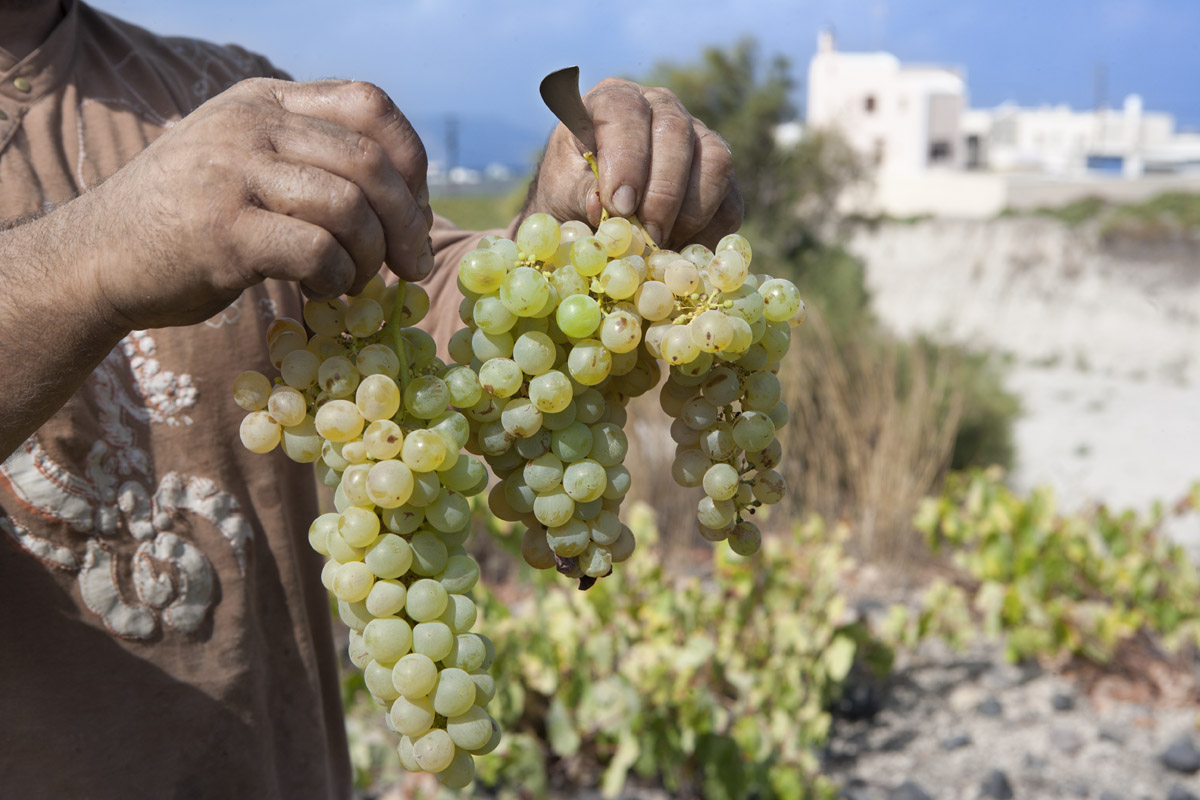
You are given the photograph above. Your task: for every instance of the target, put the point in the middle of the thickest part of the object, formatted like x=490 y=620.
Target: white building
x=932 y=154
x=904 y=118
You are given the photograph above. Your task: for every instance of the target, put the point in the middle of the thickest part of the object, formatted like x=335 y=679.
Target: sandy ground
x=1104 y=346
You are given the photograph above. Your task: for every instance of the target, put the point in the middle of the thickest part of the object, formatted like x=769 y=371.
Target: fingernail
x=653 y=232
x=425 y=260
x=625 y=201
x=428 y=217
x=423 y=197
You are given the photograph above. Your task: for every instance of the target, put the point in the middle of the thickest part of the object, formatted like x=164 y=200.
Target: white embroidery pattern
x=172 y=578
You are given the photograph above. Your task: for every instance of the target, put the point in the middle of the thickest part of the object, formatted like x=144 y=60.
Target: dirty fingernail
x=425 y=260
x=423 y=197
x=625 y=201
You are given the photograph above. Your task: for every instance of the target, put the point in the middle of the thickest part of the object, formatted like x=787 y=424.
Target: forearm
x=53 y=329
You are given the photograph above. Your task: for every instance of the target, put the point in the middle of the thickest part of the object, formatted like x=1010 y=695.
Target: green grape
x=481 y=271
x=550 y=392
x=589 y=362
x=721 y=482
x=609 y=444
x=741 y=341
x=389 y=483
x=597 y=561
x=755 y=358
x=386 y=598
x=449 y=512
x=534 y=353
x=697 y=253
x=699 y=414
x=416 y=304
x=465 y=474
x=722 y=387
x=753 y=431
x=554 y=507
x=433 y=639
x=689 y=468
x=378 y=678
x=743 y=303
x=463 y=384
x=578 y=316
x=414 y=676
x=299 y=369
x=364 y=317
x=698 y=367
x=319 y=530
x=572 y=443
x=461 y=346
x=355 y=615
x=423 y=451
x=711 y=331
x=779 y=416
x=745 y=538
x=500 y=377
x=621 y=332
x=538 y=236
x=506 y=248
x=589 y=256
x=678 y=346
x=682 y=278
x=339 y=421
x=382 y=440
x=727 y=270
x=429 y=555
x=301 y=442
x=531 y=447
x=327 y=318
x=411 y=716
x=605 y=528
x=615 y=233
x=467 y=654
x=589 y=406
x=535 y=549
x=569 y=539
x=455 y=425
x=781 y=299
x=337 y=377
x=654 y=300
x=567 y=281
x=251 y=390
x=460 y=575
x=619 y=483
x=387 y=639
x=491 y=315
x=524 y=291
x=471 y=729
x=518 y=493
x=459 y=772
x=358 y=526
x=584 y=480
x=717 y=442
x=521 y=418
x=762 y=391
x=623 y=548
x=619 y=280
x=426 y=486
x=352 y=582
x=434 y=751
x=768 y=487
x=427 y=599
x=542 y=474
x=715 y=513
x=487 y=346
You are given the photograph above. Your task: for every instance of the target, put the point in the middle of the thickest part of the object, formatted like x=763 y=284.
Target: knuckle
x=373 y=100
x=371 y=155
x=350 y=202
x=674 y=126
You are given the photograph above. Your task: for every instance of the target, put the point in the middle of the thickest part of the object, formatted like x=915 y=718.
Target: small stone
x=955 y=742
x=1063 y=701
x=1181 y=756
x=1035 y=763
x=996 y=786
x=1066 y=740
x=909 y=790
x=1177 y=792
x=990 y=708
x=1114 y=735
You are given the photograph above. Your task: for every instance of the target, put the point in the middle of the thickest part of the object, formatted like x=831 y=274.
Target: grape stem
x=591 y=160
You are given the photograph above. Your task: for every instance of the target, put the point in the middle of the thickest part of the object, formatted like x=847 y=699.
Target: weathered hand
x=655 y=160
x=318 y=183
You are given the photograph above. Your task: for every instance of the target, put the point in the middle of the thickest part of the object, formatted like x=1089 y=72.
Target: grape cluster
x=374 y=409
x=565 y=324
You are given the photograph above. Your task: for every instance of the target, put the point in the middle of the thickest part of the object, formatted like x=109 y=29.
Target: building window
x=880 y=152
x=939 y=151
x=869 y=104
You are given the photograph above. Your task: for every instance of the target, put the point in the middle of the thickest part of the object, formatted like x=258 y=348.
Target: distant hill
x=483 y=141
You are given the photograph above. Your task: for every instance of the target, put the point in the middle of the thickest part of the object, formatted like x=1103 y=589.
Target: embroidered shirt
x=164 y=630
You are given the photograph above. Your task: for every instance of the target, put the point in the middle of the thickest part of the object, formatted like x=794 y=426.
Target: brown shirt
x=163 y=629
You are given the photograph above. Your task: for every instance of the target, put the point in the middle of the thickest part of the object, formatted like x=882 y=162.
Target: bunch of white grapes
x=375 y=410
x=565 y=324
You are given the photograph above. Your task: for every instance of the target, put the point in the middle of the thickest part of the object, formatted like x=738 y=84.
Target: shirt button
x=22 y=84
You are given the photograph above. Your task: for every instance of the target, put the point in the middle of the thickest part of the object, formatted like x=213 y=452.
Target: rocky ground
x=969 y=725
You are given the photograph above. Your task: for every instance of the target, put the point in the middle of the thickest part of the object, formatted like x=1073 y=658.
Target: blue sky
x=482 y=60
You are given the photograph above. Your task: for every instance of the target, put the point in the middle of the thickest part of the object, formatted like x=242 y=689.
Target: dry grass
x=872 y=430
